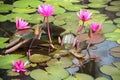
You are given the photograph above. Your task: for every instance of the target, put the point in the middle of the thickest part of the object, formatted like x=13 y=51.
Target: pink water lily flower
x=96 y=27
x=19 y=66
x=21 y=24
x=84 y=15
x=45 y=10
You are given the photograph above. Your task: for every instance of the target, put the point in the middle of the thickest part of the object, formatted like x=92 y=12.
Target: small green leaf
x=2 y=42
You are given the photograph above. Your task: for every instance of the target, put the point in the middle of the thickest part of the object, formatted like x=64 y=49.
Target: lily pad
x=108 y=27
x=112 y=8
x=27 y=3
x=1 y=79
x=35 y=18
x=3 y=18
x=82 y=76
x=101 y=78
x=95 y=5
x=13 y=16
x=117 y=20
x=99 y=1
x=71 y=78
x=59 y=10
x=115 y=51
x=6 y=61
x=2 y=42
x=64 y=62
x=118 y=14
x=114 y=36
x=12 y=73
x=112 y=71
x=116 y=3
x=23 y=10
x=51 y=73
x=117 y=64
x=37 y=58
x=5 y=8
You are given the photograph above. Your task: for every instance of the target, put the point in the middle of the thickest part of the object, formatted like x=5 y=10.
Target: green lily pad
x=112 y=8
x=99 y=1
x=23 y=10
x=12 y=17
x=35 y=18
x=3 y=18
x=108 y=27
x=6 y=61
x=81 y=76
x=101 y=78
x=1 y=79
x=115 y=51
x=59 y=22
x=117 y=64
x=2 y=42
x=116 y=3
x=112 y=71
x=27 y=3
x=114 y=36
x=12 y=73
x=95 y=5
x=64 y=62
x=117 y=20
x=51 y=73
x=117 y=14
x=37 y=58
x=59 y=10
x=5 y=8
x=71 y=78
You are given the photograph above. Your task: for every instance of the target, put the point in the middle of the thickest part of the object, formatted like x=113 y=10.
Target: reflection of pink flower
x=21 y=24
x=84 y=15
x=45 y=10
x=19 y=66
x=96 y=27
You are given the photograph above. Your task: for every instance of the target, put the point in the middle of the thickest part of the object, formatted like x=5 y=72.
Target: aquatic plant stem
x=48 y=30
x=88 y=49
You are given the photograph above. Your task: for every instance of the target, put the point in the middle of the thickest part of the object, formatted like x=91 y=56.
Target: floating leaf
x=6 y=61
x=37 y=58
x=3 y=18
x=112 y=71
x=117 y=14
x=59 y=10
x=2 y=42
x=1 y=79
x=117 y=20
x=101 y=78
x=71 y=78
x=97 y=38
x=12 y=73
x=116 y=3
x=12 y=17
x=64 y=62
x=23 y=10
x=51 y=73
x=95 y=5
x=108 y=27
x=5 y=8
x=57 y=71
x=27 y=3
x=117 y=64
x=112 y=8
x=115 y=51
x=99 y=1
x=81 y=76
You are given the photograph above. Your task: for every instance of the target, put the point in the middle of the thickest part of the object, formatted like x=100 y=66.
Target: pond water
x=7 y=29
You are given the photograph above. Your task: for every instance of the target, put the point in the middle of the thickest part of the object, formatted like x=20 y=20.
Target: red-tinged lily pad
x=12 y=73
x=115 y=51
x=97 y=38
x=82 y=37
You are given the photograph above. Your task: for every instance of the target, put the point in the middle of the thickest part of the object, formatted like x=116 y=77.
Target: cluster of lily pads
x=78 y=38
